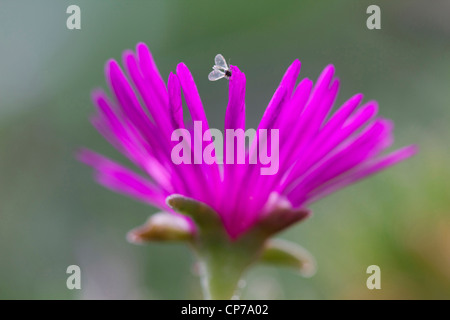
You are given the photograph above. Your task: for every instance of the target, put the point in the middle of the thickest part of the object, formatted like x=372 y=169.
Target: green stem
x=220 y=274
x=223 y=262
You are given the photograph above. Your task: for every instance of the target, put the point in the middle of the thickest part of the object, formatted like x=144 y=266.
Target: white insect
x=220 y=69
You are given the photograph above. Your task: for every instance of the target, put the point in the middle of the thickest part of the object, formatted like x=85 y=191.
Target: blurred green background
x=52 y=213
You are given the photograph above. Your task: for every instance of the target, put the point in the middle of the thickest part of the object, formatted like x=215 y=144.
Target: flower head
x=319 y=151
x=228 y=212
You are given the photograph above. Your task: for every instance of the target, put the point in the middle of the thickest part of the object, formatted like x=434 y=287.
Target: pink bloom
x=318 y=153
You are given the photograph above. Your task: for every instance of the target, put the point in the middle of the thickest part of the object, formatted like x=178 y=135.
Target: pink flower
x=319 y=153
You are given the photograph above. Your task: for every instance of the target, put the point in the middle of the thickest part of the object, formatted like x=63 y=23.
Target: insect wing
x=220 y=62
x=216 y=75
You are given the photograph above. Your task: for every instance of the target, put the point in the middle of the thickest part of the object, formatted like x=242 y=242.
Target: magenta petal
x=175 y=102
x=191 y=95
x=322 y=145
x=292 y=111
x=363 y=172
x=274 y=108
x=208 y=174
x=364 y=146
x=127 y=99
x=151 y=73
x=290 y=76
x=234 y=119
x=122 y=180
x=328 y=138
x=121 y=135
x=281 y=95
x=148 y=92
x=235 y=113
x=317 y=106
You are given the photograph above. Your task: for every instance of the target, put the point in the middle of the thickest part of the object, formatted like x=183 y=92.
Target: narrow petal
x=151 y=73
x=148 y=93
x=128 y=141
x=332 y=140
x=127 y=99
x=294 y=108
x=368 y=144
x=365 y=145
x=175 y=103
x=119 y=179
x=314 y=110
x=291 y=76
x=321 y=146
x=234 y=119
x=235 y=112
x=191 y=95
x=364 y=172
x=301 y=139
x=283 y=91
x=209 y=174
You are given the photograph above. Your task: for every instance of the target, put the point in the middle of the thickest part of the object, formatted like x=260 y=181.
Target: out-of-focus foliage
x=53 y=215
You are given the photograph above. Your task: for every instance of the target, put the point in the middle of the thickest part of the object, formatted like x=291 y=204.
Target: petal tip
x=97 y=94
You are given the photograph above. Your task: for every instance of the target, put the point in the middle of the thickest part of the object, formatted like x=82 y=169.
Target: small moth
x=220 y=69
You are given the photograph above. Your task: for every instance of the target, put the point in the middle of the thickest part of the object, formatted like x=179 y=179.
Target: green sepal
x=279 y=219
x=204 y=217
x=288 y=254
x=162 y=226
